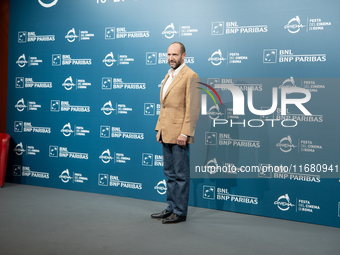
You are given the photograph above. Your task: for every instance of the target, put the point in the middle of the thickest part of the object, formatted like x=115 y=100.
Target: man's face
x=175 y=57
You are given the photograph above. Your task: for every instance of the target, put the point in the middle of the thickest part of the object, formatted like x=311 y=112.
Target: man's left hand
x=182 y=140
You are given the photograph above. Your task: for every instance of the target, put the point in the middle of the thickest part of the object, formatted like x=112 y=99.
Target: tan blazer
x=180 y=107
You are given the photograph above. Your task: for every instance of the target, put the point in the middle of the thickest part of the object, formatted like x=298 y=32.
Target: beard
x=175 y=64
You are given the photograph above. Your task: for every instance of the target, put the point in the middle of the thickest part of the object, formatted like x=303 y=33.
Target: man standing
x=180 y=106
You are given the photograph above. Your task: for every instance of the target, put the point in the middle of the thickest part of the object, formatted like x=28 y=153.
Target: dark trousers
x=176 y=169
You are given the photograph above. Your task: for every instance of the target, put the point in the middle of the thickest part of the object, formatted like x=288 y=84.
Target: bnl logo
x=103 y=179
x=105 y=132
x=149 y=109
x=209 y=192
x=110 y=33
x=151 y=58
x=55 y=105
x=106 y=83
x=147 y=159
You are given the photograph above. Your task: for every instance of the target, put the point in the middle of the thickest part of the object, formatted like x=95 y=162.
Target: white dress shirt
x=172 y=74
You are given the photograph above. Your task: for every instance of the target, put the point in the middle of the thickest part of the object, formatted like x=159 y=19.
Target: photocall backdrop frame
x=83 y=100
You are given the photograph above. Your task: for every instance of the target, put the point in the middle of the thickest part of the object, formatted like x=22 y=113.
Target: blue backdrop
x=83 y=100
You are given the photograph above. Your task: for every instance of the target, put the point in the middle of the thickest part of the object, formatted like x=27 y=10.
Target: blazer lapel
x=175 y=81
x=165 y=79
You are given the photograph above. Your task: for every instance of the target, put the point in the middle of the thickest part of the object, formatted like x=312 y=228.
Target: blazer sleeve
x=193 y=102
x=157 y=128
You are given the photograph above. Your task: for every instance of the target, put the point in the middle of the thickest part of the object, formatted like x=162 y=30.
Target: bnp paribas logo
x=47 y=3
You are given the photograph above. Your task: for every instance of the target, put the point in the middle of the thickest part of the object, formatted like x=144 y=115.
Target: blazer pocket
x=177 y=120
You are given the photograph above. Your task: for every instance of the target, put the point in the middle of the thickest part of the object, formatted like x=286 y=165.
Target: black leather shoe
x=162 y=215
x=174 y=218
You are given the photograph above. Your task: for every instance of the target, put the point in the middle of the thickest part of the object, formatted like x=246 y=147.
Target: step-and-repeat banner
x=83 y=100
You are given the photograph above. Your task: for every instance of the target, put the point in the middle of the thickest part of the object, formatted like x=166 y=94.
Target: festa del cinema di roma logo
x=49 y=3
x=238 y=104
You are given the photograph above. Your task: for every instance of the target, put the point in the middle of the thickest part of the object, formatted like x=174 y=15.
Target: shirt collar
x=174 y=73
